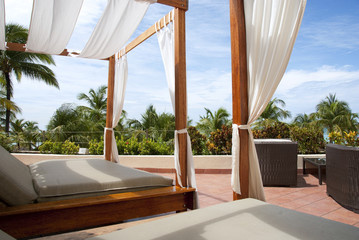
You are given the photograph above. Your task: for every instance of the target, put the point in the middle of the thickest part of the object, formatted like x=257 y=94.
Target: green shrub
x=220 y=141
x=6 y=142
x=351 y=138
x=56 y=148
x=348 y=139
x=310 y=140
x=336 y=138
x=59 y=148
x=198 y=141
x=150 y=147
x=69 y=148
x=96 y=147
x=129 y=146
x=46 y=147
x=275 y=130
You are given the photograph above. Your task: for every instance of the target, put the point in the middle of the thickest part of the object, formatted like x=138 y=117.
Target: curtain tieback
x=181 y=131
x=244 y=127
x=108 y=129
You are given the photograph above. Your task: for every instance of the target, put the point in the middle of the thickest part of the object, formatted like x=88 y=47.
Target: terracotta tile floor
x=308 y=197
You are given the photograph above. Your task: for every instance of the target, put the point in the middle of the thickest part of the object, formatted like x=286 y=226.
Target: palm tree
x=336 y=115
x=213 y=120
x=273 y=112
x=67 y=124
x=305 y=120
x=31 y=133
x=97 y=101
x=22 y=63
x=153 y=125
x=25 y=132
x=6 y=104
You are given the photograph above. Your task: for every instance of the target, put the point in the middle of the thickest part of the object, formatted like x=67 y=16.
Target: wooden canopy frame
x=240 y=90
x=68 y=215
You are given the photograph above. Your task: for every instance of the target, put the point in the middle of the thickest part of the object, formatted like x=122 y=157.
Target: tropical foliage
x=272 y=113
x=350 y=138
x=335 y=115
x=22 y=63
x=213 y=121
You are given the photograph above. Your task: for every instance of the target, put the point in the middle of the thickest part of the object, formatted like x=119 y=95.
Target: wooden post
x=109 y=111
x=240 y=89
x=180 y=89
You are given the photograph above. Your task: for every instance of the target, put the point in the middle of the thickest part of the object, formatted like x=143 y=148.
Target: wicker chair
x=343 y=175
x=277 y=161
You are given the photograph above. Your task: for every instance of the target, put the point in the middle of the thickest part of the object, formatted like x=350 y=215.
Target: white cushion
x=16 y=186
x=243 y=219
x=78 y=176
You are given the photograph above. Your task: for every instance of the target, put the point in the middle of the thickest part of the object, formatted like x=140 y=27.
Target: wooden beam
x=181 y=4
x=147 y=34
x=180 y=88
x=240 y=89
x=109 y=111
x=37 y=219
x=19 y=47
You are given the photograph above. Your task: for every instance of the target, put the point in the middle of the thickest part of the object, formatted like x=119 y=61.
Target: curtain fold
x=271 y=29
x=166 y=42
x=121 y=76
x=52 y=24
x=118 y=22
x=2 y=25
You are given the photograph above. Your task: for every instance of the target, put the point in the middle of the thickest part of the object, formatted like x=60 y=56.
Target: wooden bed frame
x=41 y=219
x=68 y=215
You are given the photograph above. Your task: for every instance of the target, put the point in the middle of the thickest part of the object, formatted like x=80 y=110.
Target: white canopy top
x=53 y=21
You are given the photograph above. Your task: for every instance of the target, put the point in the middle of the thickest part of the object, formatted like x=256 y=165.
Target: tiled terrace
x=308 y=197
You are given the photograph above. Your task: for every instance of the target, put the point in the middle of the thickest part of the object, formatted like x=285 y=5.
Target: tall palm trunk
x=8 y=97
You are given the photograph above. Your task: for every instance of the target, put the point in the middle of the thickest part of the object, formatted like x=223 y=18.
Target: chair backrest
x=16 y=187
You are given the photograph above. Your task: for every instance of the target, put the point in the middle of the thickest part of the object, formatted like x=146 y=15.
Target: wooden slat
x=240 y=89
x=180 y=88
x=69 y=215
x=181 y=4
x=19 y=47
x=147 y=34
x=109 y=111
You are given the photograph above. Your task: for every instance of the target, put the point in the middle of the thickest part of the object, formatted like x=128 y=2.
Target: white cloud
x=325 y=74
x=337 y=32
x=303 y=90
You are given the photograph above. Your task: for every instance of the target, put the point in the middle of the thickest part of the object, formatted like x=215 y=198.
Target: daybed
x=242 y=219
x=92 y=192
x=277 y=161
x=342 y=174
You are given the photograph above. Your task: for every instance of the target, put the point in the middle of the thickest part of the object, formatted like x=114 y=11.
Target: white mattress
x=58 y=178
x=243 y=219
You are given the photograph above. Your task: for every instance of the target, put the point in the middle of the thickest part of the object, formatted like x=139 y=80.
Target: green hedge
x=133 y=146
x=68 y=148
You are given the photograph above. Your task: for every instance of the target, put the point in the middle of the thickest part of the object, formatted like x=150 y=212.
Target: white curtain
x=2 y=25
x=52 y=24
x=118 y=22
x=121 y=76
x=271 y=28
x=166 y=42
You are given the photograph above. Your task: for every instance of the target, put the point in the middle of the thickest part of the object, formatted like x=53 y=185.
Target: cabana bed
x=242 y=219
x=53 y=212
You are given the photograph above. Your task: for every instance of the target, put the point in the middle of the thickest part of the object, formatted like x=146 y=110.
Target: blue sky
x=325 y=60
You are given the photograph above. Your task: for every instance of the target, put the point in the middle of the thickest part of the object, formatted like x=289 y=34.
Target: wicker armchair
x=277 y=161
x=343 y=175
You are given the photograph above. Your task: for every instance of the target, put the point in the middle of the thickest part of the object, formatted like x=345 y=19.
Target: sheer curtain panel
x=118 y=22
x=121 y=76
x=52 y=24
x=2 y=25
x=271 y=29
x=165 y=38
